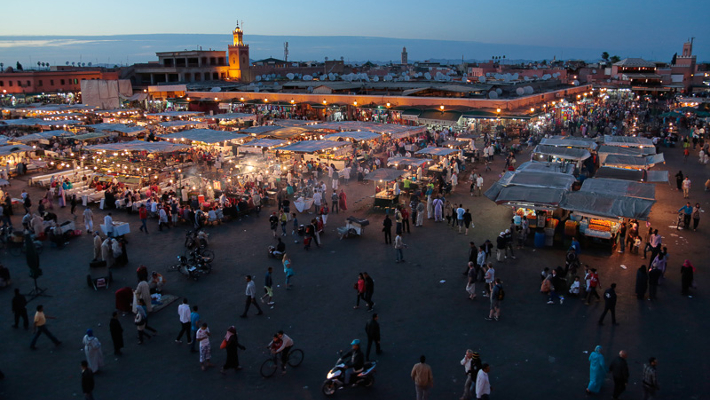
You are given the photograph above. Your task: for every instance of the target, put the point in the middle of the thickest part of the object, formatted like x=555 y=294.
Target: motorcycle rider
x=356 y=362
x=279 y=250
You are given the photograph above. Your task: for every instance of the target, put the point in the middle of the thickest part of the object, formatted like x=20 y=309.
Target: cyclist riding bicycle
x=281 y=343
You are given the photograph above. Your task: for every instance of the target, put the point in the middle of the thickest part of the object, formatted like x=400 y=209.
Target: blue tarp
x=266 y=143
x=355 y=135
x=311 y=146
x=437 y=151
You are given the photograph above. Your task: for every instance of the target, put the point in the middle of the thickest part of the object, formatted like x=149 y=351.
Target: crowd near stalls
x=231 y=163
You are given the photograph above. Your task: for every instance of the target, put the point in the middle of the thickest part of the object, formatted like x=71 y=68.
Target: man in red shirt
x=143 y=215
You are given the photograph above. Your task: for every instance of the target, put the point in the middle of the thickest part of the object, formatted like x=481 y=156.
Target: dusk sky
x=625 y=24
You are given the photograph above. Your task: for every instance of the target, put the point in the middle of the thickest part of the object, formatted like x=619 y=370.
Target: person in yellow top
x=40 y=327
x=423 y=378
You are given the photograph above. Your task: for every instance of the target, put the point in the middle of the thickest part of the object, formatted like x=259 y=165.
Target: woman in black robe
x=686 y=278
x=232 y=348
x=641 y=282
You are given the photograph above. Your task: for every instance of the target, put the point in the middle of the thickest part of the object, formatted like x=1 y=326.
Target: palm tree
x=89 y=63
x=67 y=63
x=1 y=66
x=73 y=63
x=39 y=64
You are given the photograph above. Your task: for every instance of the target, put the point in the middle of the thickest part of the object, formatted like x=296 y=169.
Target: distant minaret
x=286 y=51
x=404 y=56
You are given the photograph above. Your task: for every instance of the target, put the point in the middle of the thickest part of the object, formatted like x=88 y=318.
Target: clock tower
x=238 y=54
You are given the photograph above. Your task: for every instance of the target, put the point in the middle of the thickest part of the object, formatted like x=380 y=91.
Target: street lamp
x=441 y=107
x=355 y=103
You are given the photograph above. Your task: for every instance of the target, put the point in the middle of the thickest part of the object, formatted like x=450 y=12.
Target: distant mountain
x=129 y=49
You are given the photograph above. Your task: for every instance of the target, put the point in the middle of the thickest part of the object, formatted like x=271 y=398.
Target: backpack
x=501 y=293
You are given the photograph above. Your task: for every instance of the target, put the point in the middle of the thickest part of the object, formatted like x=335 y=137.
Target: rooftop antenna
x=285 y=51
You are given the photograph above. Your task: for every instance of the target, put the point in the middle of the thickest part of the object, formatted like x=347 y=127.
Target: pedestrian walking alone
x=360 y=288
x=483 y=384
x=250 y=297
x=597 y=370
x=184 y=316
x=609 y=304
x=650 y=379
x=40 y=327
x=372 y=329
x=116 y=333
x=619 y=369
x=423 y=378
x=686 y=278
x=641 y=282
x=387 y=229
x=399 y=246
x=93 y=351
x=203 y=337
x=87 y=381
x=19 y=308
x=654 y=278
x=231 y=345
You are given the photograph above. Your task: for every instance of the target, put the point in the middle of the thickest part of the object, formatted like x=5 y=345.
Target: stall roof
x=606 y=205
x=312 y=146
x=415 y=162
x=579 y=143
x=547 y=167
x=91 y=135
x=23 y=122
x=260 y=129
x=174 y=124
x=268 y=143
x=13 y=148
x=627 y=151
x=173 y=114
x=563 y=152
x=205 y=135
x=286 y=123
x=117 y=110
x=233 y=116
x=455 y=143
x=627 y=141
x=532 y=197
x=657 y=176
x=619 y=187
x=550 y=180
x=384 y=174
x=437 y=151
x=60 y=122
x=620 y=173
x=116 y=128
x=354 y=135
x=139 y=145
x=633 y=161
x=42 y=135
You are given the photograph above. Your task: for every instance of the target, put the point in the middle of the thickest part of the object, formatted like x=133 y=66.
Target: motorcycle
x=184 y=267
x=273 y=253
x=201 y=262
x=196 y=238
x=336 y=377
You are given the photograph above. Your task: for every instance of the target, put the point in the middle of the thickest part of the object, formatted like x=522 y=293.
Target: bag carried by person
x=224 y=344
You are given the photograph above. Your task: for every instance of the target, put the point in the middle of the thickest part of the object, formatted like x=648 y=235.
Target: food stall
x=437 y=152
x=633 y=162
x=564 y=155
x=385 y=196
x=415 y=167
x=121 y=129
x=601 y=205
x=569 y=142
x=606 y=150
x=326 y=151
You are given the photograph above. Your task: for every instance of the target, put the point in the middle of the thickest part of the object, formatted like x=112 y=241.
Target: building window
x=9 y=83
x=19 y=83
x=2 y=83
x=51 y=82
x=39 y=83
x=62 y=81
x=28 y=84
x=76 y=81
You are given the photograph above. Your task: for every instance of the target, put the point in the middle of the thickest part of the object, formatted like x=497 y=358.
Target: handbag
x=224 y=344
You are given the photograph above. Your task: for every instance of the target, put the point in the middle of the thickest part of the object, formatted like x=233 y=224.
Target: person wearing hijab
x=597 y=371
x=641 y=282
x=686 y=278
x=92 y=349
x=232 y=347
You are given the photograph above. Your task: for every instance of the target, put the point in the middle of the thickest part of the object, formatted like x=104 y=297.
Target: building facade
x=54 y=80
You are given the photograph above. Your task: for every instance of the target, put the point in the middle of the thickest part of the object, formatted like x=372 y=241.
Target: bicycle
x=207 y=254
x=269 y=367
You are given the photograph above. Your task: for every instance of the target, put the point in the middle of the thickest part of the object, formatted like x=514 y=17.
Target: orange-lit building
x=57 y=79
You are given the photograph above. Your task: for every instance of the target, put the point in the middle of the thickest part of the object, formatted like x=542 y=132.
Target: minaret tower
x=238 y=56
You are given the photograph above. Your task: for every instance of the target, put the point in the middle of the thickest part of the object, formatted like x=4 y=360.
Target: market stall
x=606 y=150
x=326 y=151
x=633 y=162
x=386 y=194
x=564 y=155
